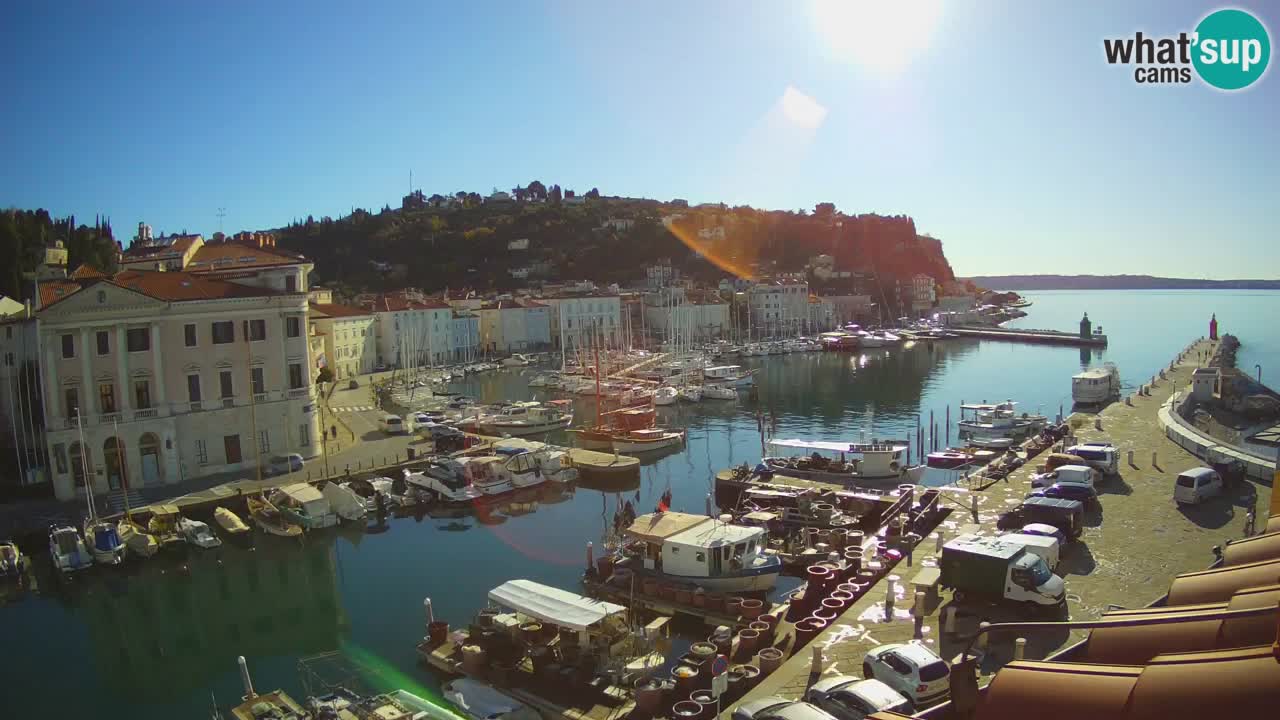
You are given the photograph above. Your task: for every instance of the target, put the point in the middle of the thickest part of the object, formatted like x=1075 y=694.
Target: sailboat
x=67 y=549
x=102 y=537
x=135 y=537
x=269 y=518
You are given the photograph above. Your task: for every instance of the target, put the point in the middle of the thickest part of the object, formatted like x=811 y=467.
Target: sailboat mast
x=84 y=468
x=115 y=432
x=597 y=348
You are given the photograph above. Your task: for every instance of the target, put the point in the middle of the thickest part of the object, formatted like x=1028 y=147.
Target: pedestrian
x=334 y=430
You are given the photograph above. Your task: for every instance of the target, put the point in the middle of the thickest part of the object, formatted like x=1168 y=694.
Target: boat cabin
x=306 y=503
x=874 y=459
x=722 y=372
x=682 y=544
x=594 y=623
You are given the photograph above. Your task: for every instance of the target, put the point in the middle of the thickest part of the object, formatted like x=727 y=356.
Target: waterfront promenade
x=1130 y=551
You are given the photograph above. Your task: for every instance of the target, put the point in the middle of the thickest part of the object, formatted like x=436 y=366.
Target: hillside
x=1115 y=282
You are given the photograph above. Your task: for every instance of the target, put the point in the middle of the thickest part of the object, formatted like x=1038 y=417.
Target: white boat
x=1096 y=386
x=303 y=504
x=731 y=375
x=665 y=395
x=719 y=392
x=691 y=393
x=454 y=491
x=700 y=551
x=346 y=504
x=67 y=549
x=857 y=463
x=647 y=439
x=474 y=471
x=516 y=360
x=1000 y=420
x=479 y=701
x=528 y=418
x=198 y=533
x=539 y=462
x=991 y=442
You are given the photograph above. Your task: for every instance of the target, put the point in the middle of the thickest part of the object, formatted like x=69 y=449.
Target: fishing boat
x=67 y=549
x=647 y=440
x=1096 y=386
x=164 y=526
x=198 y=533
x=699 y=551
x=268 y=517
x=947 y=459
x=857 y=462
x=713 y=391
x=732 y=375
x=479 y=701
x=346 y=504
x=691 y=393
x=13 y=564
x=999 y=420
x=528 y=418
x=229 y=521
x=136 y=538
x=665 y=395
x=301 y=503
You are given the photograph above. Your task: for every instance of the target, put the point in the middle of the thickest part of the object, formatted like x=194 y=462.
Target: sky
x=996 y=124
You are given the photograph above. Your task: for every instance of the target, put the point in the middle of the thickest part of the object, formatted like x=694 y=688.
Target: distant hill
x=1115 y=282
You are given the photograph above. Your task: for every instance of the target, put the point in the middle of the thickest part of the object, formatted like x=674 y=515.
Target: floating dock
x=1044 y=337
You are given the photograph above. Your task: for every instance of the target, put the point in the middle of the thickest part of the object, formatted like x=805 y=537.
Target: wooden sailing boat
x=135 y=537
x=268 y=517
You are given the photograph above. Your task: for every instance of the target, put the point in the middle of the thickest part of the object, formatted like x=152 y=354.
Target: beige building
x=175 y=374
x=348 y=337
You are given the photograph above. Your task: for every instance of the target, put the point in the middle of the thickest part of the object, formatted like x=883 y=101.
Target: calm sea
x=158 y=640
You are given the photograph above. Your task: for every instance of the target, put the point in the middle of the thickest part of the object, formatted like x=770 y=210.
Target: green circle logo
x=1231 y=49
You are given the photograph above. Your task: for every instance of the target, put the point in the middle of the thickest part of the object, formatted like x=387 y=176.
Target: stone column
x=157 y=368
x=122 y=372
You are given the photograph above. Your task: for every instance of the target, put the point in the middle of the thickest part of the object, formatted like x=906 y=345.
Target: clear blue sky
x=1001 y=130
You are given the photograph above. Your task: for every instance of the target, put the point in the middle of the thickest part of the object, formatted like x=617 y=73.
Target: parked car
x=285 y=464
x=1197 y=484
x=776 y=708
x=380 y=367
x=1044 y=530
x=1067 y=491
x=911 y=669
x=393 y=425
x=422 y=420
x=852 y=698
x=1081 y=474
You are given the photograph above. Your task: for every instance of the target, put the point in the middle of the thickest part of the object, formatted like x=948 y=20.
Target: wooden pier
x=1044 y=337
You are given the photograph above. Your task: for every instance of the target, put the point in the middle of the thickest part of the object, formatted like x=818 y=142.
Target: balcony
x=259 y=397
x=144 y=413
x=107 y=418
x=300 y=392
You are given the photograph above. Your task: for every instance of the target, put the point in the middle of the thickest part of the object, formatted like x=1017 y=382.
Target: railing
x=300 y=392
x=228 y=402
x=144 y=413
x=259 y=397
x=110 y=417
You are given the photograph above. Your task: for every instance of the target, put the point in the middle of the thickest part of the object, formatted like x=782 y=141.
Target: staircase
x=115 y=501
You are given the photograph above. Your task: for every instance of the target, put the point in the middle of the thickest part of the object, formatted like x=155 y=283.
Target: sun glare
x=802 y=110
x=877 y=35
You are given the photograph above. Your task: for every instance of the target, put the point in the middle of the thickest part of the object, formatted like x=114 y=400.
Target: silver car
x=776 y=708
x=852 y=698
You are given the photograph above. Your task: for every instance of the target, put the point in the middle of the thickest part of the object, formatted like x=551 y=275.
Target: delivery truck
x=999 y=571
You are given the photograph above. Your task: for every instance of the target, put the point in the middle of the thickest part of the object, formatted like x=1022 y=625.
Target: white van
x=1197 y=484
x=1100 y=455
x=393 y=425
x=1081 y=474
x=1047 y=548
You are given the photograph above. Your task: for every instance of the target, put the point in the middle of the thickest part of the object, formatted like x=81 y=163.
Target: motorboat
x=991 y=442
x=473 y=471
x=719 y=392
x=346 y=504
x=67 y=549
x=699 y=551
x=449 y=491
x=691 y=393
x=270 y=519
x=137 y=539
x=164 y=526
x=479 y=701
x=303 y=504
x=647 y=440
x=947 y=459
x=528 y=418
x=13 y=564
x=858 y=462
x=999 y=420
x=731 y=375
x=229 y=521
x=198 y=533
x=1096 y=386
x=665 y=395
x=104 y=542
x=516 y=360
x=527 y=464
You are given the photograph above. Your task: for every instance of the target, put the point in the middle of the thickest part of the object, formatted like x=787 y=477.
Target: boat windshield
x=1040 y=572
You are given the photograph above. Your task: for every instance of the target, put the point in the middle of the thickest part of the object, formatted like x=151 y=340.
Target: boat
x=528 y=418
x=303 y=504
x=229 y=521
x=527 y=464
x=991 y=442
x=696 y=550
x=665 y=395
x=732 y=375
x=479 y=701
x=516 y=360
x=346 y=504
x=1096 y=386
x=198 y=533
x=268 y=517
x=104 y=541
x=67 y=549
x=691 y=393
x=13 y=564
x=1000 y=420
x=164 y=526
x=647 y=440
x=719 y=392
x=947 y=459
x=276 y=705
x=858 y=462
x=449 y=491
x=136 y=538
x=343 y=704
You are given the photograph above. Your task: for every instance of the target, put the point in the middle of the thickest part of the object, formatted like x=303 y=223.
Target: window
x=228 y=389
x=142 y=394
x=104 y=342
x=304 y=435
x=202 y=453
x=295 y=376
x=68 y=347
x=700 y=557
x=264 y=442
x=259 y=386
x=60 y=457
x=257 y=330
x=107 y=398
x=290 y=283
x=193 y=388
x=231 y=447
x=78 y=459
x=189 y=334
x=138 y=339
x=72 y=396
x=292 y=326
x=224 y=332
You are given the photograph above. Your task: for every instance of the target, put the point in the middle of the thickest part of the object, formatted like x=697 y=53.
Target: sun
x=880 y=36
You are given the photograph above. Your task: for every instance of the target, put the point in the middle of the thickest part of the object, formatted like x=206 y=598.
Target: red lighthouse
x=1213 y=327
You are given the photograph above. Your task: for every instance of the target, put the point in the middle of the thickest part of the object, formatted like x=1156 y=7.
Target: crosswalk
x=353 y=408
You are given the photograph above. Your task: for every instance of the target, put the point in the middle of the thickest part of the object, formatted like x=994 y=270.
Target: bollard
x=1153 y=459
x=1019 y=648
x=1131 y=458
x=941 y=541
x=919 y=607
x=973 y=506
x=980 y=645
x=888 y=600
x=917 y=631
x=815 y=666
x=1097 y=423
x=949 y=620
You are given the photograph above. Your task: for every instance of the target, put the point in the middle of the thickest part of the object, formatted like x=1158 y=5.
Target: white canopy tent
x=552 y=605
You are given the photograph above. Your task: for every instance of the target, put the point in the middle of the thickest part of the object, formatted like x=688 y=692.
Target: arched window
x=78 y=463
x=113 y=458
x=149 y=453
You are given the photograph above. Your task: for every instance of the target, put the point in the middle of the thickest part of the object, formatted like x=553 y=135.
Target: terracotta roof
x=232 y=256
x=338 y=311
x=397 y=303
x=513 y=303
x=86 y=272
x=167 y=286
x=54 y=290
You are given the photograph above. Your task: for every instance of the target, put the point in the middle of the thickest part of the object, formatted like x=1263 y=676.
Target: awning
x=302 y=493
x=658 y=526
x=553 y=605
